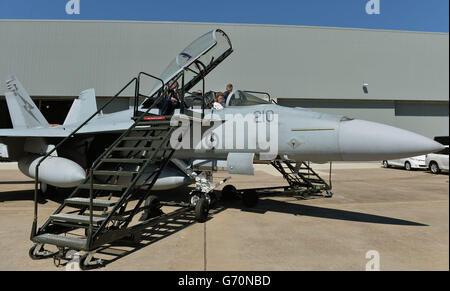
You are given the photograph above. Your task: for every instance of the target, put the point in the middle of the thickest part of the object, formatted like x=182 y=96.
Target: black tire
x=434 y=168
x=228 y=193
x=386 y=164
x=250 y=198
x=201 y=210
x=408 y=166
x=154 y=209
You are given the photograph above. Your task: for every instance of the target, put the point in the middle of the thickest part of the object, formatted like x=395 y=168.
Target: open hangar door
x=54 y=110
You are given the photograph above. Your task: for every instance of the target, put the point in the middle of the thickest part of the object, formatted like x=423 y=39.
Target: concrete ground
x=404 y=216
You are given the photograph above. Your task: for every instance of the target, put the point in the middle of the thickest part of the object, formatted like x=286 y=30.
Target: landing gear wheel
x=434 y=168
x=228 y=192
x=201 y=210
x=407 y=166
x=37 y=252
x=154 y=208
x=250 y=198
x=385 y=164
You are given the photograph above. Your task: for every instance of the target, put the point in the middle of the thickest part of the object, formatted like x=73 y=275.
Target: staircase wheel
x=250 y=198
x=84 y=264
x=34 y=256
x=201 y=210
x=228 y=193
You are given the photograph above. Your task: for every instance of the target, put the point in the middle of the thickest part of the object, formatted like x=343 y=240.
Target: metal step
x=77 y=218
x=137 y=138
x=115 y=173
x=61 y=241
x=149 y=128
x=315 y=181
x=95 y=202
x=106 y=187
x=129 y=161
x=137 y=149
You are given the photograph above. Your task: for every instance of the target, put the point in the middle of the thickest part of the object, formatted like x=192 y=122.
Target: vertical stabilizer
x=82 y=108
x=22 y=110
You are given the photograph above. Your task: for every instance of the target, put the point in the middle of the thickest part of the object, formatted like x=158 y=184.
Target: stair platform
x=83 y=219
x=95 y=202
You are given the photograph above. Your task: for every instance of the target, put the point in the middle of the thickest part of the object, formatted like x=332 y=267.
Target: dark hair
x=218 y=94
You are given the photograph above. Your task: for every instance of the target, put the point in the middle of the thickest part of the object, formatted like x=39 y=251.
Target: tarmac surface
x=403 y=216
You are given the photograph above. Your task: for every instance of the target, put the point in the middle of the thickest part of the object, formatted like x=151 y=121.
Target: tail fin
x=24 y=113
x=82 y=108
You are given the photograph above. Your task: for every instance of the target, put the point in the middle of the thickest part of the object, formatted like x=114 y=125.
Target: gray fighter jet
x=167 y=140
x=302 y=135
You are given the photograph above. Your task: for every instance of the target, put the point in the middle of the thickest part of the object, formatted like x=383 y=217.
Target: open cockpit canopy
x=197 y=60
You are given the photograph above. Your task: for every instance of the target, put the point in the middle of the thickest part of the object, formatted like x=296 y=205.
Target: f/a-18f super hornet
x=163 y=142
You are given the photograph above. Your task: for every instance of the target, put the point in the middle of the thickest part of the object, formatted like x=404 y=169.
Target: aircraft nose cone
x=369 y=141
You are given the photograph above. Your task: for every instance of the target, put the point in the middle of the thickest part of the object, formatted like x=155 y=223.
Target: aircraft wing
x=61 y=131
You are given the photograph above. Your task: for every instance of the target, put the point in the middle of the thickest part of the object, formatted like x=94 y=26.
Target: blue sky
x=413 y=15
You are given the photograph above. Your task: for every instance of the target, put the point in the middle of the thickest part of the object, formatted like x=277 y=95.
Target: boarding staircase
x=100 y=210
x=300 y=175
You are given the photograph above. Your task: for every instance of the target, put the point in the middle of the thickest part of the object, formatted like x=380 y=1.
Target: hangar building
x=399 y=78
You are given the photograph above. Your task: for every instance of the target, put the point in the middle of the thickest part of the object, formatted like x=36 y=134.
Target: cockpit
x=182 y=84
x=187 y=71
x=246 y=98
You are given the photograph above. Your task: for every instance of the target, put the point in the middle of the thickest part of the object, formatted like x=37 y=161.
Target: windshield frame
x=246 y=93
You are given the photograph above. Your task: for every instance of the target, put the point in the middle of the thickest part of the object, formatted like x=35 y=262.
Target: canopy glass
x=242 y=98
x=196 y=60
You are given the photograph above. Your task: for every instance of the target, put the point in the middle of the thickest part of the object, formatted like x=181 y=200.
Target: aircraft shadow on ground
x=328 y=213
x=151 y=235
x=28 y=195
x=16 y=182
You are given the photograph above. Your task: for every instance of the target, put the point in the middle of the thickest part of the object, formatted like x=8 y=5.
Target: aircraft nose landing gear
x=202 y=197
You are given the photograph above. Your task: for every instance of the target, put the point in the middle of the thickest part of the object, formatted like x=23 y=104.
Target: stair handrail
x=36 y=179
x=137 y=80
x=118 y=140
